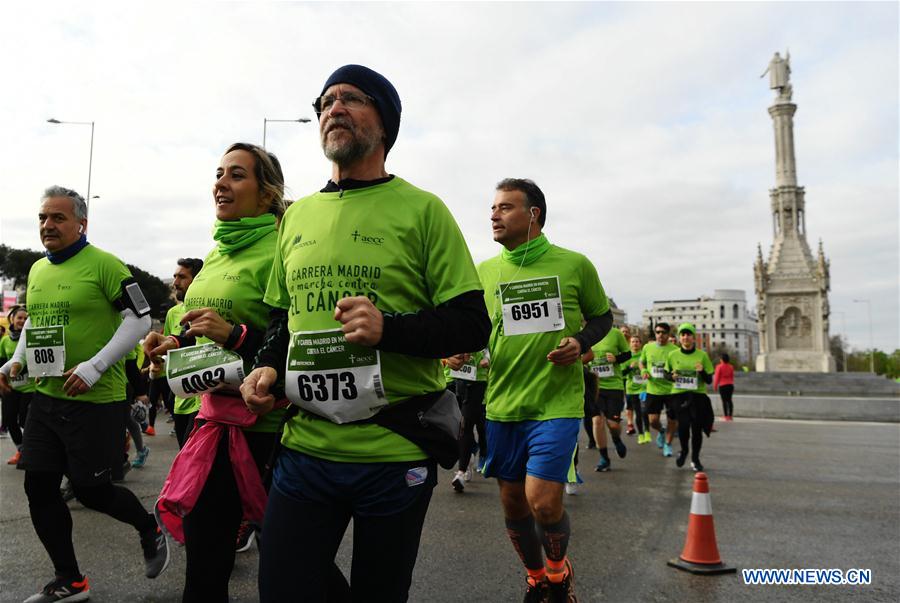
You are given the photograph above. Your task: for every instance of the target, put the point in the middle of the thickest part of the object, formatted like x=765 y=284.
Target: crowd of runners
x=320 y=363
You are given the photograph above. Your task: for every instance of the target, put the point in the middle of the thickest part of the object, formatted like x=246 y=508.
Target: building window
x=722 y=311
x=734 y=310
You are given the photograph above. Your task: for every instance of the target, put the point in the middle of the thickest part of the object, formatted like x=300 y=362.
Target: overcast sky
x=645 y=124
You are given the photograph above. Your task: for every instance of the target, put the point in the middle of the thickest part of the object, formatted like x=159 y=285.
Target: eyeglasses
x=350 y=100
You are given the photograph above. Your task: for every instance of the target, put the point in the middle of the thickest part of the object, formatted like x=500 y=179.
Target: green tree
x=15 y=264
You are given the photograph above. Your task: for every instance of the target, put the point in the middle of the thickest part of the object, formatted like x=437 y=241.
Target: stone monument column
x=791 y=287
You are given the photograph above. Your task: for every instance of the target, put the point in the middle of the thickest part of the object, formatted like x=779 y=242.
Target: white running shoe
x=458 y=481
x=571 y=489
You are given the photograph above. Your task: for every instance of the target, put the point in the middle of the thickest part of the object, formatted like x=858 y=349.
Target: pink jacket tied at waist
x=191 y=466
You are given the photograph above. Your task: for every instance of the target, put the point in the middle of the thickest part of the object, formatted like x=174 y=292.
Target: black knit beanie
x=387 y=101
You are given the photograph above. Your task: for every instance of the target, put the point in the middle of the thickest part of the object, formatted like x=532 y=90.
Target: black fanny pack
x=432 y=422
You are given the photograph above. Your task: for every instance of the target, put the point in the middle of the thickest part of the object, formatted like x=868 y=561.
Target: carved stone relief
x=793 y=330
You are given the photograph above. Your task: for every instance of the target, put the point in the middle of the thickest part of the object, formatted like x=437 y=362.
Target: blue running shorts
x=542 y=449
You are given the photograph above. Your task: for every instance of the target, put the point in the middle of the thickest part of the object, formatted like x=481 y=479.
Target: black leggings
x=725 y=392
x=308 y=536
x=14 y=411
x=690 y=433
x=52 y=520
x=158 y=389
x=210 y=529
x=639 y=419
x=184 y=425
x=473 y=419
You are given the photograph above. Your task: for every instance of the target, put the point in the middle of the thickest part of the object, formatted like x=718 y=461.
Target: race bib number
x=658 y=371
x=21 y=380
x=331 y=377
x=45 y=349
x=603 y=370
x=465 y=372
x=531 y=306
x=686 y=381
x=203 y=368
x=638 y=379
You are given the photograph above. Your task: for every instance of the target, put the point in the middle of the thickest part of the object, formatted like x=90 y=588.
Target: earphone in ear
x=533 y=216
x=80 y=229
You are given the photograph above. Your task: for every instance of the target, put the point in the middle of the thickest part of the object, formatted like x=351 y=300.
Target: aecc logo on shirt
x=368 y=239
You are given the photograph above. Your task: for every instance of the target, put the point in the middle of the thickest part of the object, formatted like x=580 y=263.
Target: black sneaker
x=681 y=458
x=156 y=552
x=563 y=592
x=696 y=466
x=62 y=589
x=245 y=537
x=536 y=592
x=621 y=450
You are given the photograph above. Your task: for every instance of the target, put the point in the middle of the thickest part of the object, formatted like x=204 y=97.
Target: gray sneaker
x=156 y=552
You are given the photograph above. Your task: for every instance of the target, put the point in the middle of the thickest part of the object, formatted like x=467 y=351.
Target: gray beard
x=349 y=153
x=363 y=143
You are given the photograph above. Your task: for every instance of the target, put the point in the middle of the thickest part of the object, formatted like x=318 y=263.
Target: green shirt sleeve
x=449 y=269
x=276 y=291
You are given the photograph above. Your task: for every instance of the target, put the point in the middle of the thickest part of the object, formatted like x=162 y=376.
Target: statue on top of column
x=779 y=71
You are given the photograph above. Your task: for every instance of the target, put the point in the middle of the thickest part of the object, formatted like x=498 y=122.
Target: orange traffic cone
x=701 y=554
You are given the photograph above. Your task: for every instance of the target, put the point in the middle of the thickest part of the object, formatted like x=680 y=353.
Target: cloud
x=645 y=124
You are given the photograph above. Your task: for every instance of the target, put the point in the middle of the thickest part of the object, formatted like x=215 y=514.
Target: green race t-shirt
x=633 y=367
x=686 y=366
x=24 y=384
x=613 y=343
x=172 y=326
x=399 y=246
x=481 y=373
x=78 y=295
x=523 y=385
x=233 y=285
x=653 y=357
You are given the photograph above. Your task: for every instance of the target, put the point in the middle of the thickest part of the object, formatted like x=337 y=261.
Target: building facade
x=724 y=322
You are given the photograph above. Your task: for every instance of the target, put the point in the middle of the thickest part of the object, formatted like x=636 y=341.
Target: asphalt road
x=785 y=494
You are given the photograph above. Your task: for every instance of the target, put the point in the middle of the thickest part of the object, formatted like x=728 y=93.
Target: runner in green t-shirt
x=690 y=370
x=226 y=318
x=469 y=373
x=16 y=401
x=604 y=359
x=635 y=386
x=85 y=313
x=181 y=410
x=373 y=284
x=659 y=389
x=537 y=294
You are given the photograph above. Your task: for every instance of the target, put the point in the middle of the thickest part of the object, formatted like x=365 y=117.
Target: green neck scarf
x=234 y=235
x=528 y=252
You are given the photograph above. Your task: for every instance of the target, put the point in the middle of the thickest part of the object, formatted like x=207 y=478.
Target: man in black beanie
x=372 y=284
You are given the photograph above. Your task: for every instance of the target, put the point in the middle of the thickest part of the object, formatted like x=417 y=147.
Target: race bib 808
x=45 y=351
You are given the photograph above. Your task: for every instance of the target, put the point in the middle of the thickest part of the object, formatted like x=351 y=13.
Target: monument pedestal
x=795 y=361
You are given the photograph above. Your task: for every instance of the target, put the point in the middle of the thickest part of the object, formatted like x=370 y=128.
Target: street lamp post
x=90 y=156
x=266 y=120
x=868 y=303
